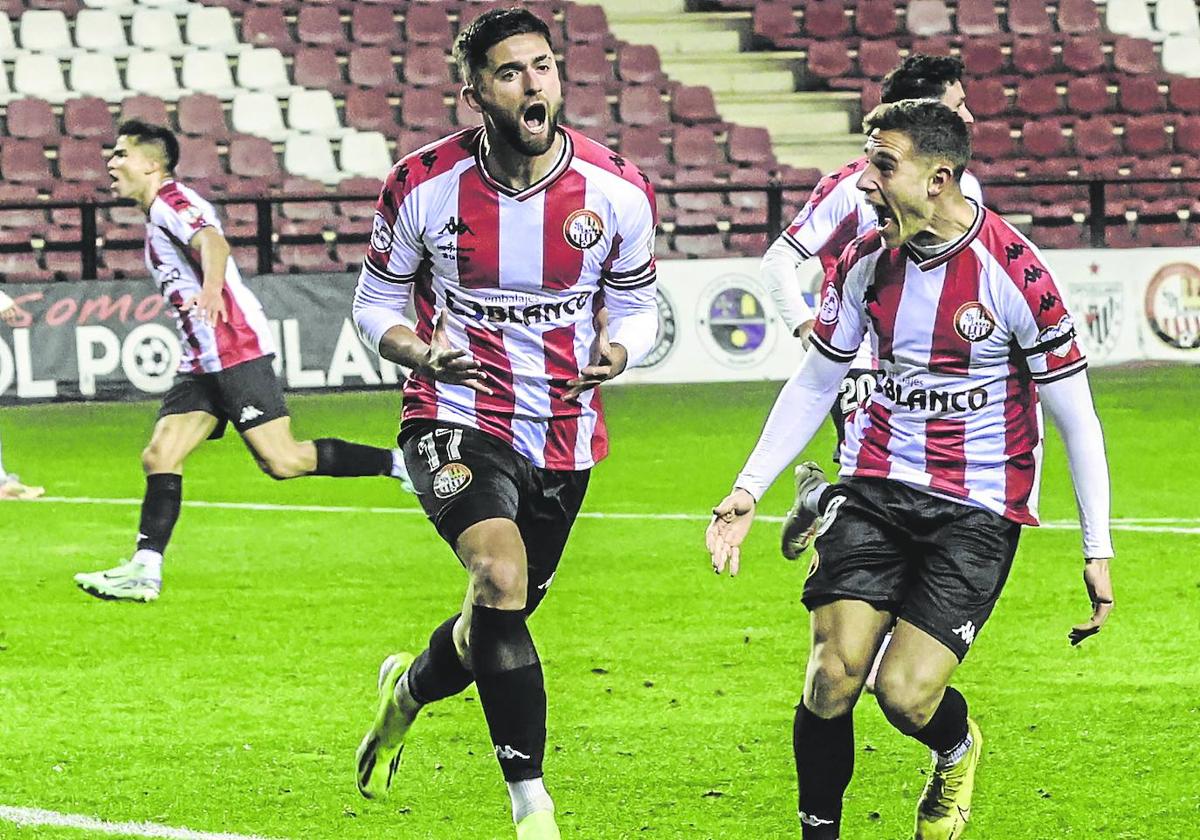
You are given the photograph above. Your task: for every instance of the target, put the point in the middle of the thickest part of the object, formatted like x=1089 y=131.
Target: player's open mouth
x=534 y=118
x=887 y=220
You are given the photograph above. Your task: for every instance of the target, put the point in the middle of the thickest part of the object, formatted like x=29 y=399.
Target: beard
x=512 y=130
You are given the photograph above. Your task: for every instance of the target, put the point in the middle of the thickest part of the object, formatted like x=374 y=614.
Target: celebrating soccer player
x=225 y=372
x=509 y=238
x=940 y=466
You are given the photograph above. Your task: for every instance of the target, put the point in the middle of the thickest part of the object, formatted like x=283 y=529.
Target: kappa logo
x=249 y=413
x=457 y=226
x=966 y=632
x=973 y=322
x=583 y=229
x=450 y=479
x=507 y=753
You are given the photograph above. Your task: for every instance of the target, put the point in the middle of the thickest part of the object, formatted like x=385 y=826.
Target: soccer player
x=11 y=486
x=225 y=372
x=508 y=238
x=836 y=213
x=940 y=468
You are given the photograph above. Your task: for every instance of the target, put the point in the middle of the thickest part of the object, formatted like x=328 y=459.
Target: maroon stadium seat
x=32 y=119
x=88 y=116
x=1028 y=17
x=825 y=20
x=588 y=64
x=1060 y=235
x=412 y=139
x=1038 y=96
x=21 y=220
x=1043 y=139
x=198 y=158
x=426 y=23
x=301 y=259
x=586 y=108
x=934 y=45
x=253 y=157
x=828 y=60
x=1094 y=138
x=424 y=108
x=66 y=221
x=1083 y=54
x=928 y=17
x=201 y=115
x=984 y=57
x=1088 y=95
x=988 y=98
x=1139 y=95
x=749 y=207
x=1187 y=135
x=22 y=162
x=1078 y=17
x=125 y=262
x=372 y=67
x=750 y=146
x=642 y=105
x=22 y=267
x=876 y=19
x=703 y=246
x=693 y=104
x=774 y=22
x=368 y=109
x=748 y=244
x=426 y=66
x=992 y=141
x=81 y=160
x=1034 y=56
x=695 y=147
x=354 y=216
x=1184 y=95
x=642 y=145
x=265 y=26
x=877 y=58
x=318 y=68
x=320 y=26
x=977 y=18
x=1135 y=55
x=374 y=26
x=1147 y=135
x=699 y=208
x=307 y=218
x=586 y=24
x=151 y=109
x=639 y=64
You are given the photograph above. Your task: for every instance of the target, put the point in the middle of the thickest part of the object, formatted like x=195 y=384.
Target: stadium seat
x=1038 y=96
x=1028 y=17
x=587 y=64
x=81 y=160
x=976 y=18
x=150 y=109
x=22 y=162
x=39 y=74
x=1060 y=235
x=642 y=105
x=372 y=67
x=152 y=73
x=1078 y=17
x=928 y=17
x=1135 y=55
x=100 y=30
x=424 y=108
x=988 y=98
x=774 y=23
x=702 y=246
x=426 y=23
x=877 y=58
x=1184 y=95
x=318 y=67
x=692 y=105
x=983 y=57
x=748 y=244
x=586 y=108
x=207 y=71
x=828 y=60
x=198 y=159
x=265 y=26
x=1083 y=54
x=1181 y=55
x=1034 y=56
x=44 y=31
x=31 y=119
x=1096 y=138
x=695 y=147
x=303 y=218
x=155 y=29
x=1128 y=17
x=698 y=208
x=263 y=69
x=411 y=139
x=22 y=221
x=749 y=207
x=1176 y=17
x=825 y=20
x=1187 y=135
x=365 y=153
x=586 y=24
x=876 y=19
x=306 y=259
x=202 y=115
x=426 y=66
x=314 y=112
x=22 y=267
x=95 y=74
x=211 y=27
x=750 y=146
x=310 y=156
x=374 y=26
x=320 y=26
x=992 y=141
x=643 y=146
x=1087 y=95
x=637 y=64
x=369 y=110
x=253 y=157
x=88 y=116
x=353 y=213
x=934 y=45
x=257 y=112
x=1139 y=95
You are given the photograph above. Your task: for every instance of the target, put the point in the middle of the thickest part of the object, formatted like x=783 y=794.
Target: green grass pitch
x=235 y=703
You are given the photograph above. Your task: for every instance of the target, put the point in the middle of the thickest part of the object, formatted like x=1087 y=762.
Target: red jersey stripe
x=1020 y=441
x=478 y=253
x=561 y=366
x=950 y=352
x=600 y=432
x=493 y=411
x=873 y=456
x=883 y=299
x=561 y=261
x=946 y=455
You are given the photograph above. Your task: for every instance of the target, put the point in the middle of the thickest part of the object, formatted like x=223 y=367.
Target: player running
x=940 y=467
x=225 y=370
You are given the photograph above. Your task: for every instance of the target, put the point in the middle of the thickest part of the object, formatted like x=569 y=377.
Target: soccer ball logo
x=152 y=356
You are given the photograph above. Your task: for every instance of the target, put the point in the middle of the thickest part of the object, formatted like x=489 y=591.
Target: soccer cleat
x=945 y=805
x=127 y=582
x=800 y=524
x=400 y=472
x=539 y=825
x=12 y=488
x=379 y=753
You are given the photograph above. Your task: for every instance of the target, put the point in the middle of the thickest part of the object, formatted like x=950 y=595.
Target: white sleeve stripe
x=830 y=351
x=388 y=276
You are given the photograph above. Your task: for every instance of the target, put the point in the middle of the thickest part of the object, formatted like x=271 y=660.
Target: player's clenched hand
x=210 y=304
x=449 y=364
x=609 y=362
x=1100 y=591
x=731 y=522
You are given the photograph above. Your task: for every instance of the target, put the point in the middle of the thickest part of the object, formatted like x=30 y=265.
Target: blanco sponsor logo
x=508 y=753
x=249 y=413
x=966 y=632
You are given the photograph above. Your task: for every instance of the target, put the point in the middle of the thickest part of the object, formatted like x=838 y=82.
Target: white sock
x=949 y=759
x=529 y=796
x=403 y=695
x=813 y=499
x=151 y=561
x=399 y=470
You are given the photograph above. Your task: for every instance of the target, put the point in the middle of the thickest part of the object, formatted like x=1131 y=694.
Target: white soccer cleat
x=127 y=582
x=12 y=488
x=800 y=524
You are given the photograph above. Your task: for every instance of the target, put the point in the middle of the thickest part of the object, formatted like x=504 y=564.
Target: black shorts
x=248 y=394
x=464 y=476
x=937 y=564
x=857 y=385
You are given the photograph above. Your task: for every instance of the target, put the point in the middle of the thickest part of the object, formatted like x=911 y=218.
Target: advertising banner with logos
x=116 y=340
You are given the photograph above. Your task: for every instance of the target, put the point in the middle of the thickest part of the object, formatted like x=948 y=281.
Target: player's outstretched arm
x=1069 y=403
x=730 y=524
x=214 y=256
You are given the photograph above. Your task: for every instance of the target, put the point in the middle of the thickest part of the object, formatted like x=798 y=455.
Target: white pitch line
x=1155 y=526
x=38 y=816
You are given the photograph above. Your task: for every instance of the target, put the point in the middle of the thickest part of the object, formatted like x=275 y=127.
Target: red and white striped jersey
x=176 y=215
x=520 y=276
x=961 y=338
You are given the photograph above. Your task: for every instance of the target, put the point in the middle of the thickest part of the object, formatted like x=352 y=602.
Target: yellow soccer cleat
x=539 y=825
x=379 y=753
x=945 y=805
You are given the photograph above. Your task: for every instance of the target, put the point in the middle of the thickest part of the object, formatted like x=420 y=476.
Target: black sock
x=948 y=726
x=160 y=511
x=344 y=459
x=512 y=691
x=824 y=751
x=437 y=672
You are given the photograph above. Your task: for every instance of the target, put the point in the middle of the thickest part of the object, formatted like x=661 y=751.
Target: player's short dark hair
x=144 y=133
x=489 y=29
x=921 y=77
x=934 y=129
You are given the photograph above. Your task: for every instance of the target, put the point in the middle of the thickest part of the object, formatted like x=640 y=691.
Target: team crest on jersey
x=973 y=322
x=381 y=235
x=192 y=216
x=450 y=479
x=583 y=229
x=1064 y=327
x=830 y=304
